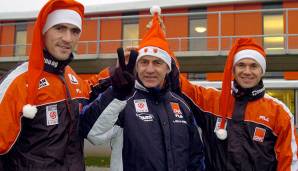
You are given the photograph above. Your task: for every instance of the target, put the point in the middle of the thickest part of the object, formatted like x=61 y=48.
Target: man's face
x=247 y=73
x=61 y=39
x=152 y=71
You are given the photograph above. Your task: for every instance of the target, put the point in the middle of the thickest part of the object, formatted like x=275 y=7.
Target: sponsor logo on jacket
x=176 y=110
x=73 y=79
x=141 y=105
x=43 y=83
x=259 y=134
x=52 y=115
x=147 y=117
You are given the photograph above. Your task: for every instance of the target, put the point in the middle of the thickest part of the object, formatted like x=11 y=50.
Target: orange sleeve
x=103 y=74
x=11 y=104
x=205 y=98
x=286 y=145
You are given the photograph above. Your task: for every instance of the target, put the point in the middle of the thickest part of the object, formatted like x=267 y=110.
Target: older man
x=149 y=127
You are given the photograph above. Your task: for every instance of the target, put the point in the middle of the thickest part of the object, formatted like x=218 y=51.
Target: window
x=197 y=30
x=273 y=24
x=130 y=32
x=20 y=40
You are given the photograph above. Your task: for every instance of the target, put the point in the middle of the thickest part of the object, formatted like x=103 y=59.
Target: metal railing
x=218 y=43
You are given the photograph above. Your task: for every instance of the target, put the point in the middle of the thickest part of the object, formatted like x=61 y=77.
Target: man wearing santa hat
x=243 y=128
x=40 y=100
x=149 y=127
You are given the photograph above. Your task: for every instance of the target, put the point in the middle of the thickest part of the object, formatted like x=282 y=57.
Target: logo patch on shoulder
x=141 y=105
x=43 y=83
x=176 y=110
x=52 y=115
x=73 y=79
x=259 y=134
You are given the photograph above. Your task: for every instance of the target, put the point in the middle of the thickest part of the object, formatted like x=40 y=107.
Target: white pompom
x=155 y=9
x=221 y=134
x=29 y=111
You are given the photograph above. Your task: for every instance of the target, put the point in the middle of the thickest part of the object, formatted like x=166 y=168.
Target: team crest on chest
x=52 y=115
x=259 y=134
x=141 y=105
x=43 y=83
x=73 y=79
x=176 y=110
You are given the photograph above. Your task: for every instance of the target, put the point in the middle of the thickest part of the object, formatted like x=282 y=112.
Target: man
x=149 y=127
x=40 y=100
x=246 y=129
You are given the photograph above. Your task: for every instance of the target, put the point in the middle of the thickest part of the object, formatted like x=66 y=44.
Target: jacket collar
x=53 y=65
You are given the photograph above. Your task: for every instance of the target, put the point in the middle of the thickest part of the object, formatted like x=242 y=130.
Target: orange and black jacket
x=263 y=139
x=51 y=140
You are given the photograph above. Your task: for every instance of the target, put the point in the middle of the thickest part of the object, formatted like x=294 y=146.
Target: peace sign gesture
x=123 y=78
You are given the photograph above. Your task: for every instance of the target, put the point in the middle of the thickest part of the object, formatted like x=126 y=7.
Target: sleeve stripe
x=294 y=164
x=11 y=77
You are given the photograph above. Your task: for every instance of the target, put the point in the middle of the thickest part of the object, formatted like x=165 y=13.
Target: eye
x=158 y=62
x=143 y=62
x=240 y=65
x=58 y=27
x=76 y=31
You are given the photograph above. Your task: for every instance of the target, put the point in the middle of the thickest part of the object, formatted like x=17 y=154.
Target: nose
x=67 y=36
x=150 y=68
x=246 y=70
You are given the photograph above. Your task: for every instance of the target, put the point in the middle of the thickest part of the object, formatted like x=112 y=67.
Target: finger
x=121 y=58
x=132 y=60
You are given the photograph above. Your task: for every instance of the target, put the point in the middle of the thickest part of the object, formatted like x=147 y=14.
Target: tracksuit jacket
x=148 y=132
x=50 y=141
x=261 y=132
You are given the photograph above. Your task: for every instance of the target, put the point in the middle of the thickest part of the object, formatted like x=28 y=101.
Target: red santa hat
x=53 y=12
x=242 y=48
x=154 y=42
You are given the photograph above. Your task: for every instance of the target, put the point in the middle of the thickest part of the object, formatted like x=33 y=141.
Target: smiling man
x=40 y=100
x=243 y=128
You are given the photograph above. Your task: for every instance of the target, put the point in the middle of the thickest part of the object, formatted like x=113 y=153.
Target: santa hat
x=53 y=12
x=242 y=48
x=154 y=42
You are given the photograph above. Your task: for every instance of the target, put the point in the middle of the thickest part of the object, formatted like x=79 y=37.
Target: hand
x=123 y=79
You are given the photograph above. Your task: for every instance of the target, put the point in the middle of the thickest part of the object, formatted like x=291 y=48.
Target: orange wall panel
x=176 y=26
x=227 y=26
x=245 y=21
x=111 y=29
x=291 y=75
x=216 y=76
x=293 y=24
x=7 y=38
x=233 y=24
x=143 y=21
x=29 y=37
x=89 y=34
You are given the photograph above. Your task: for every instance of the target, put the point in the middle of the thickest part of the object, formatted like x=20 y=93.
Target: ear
x=168 y=70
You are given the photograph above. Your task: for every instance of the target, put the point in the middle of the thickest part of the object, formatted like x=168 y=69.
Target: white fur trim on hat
x=29 y=111
x=155 y=9
x=253 y=54
x=221 y=134
x=157 y=52
x=62 y=16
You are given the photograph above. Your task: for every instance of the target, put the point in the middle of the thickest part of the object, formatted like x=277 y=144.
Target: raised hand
x=123 y=78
